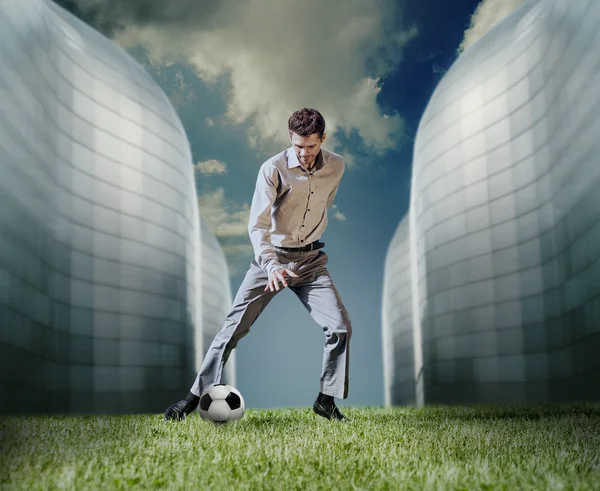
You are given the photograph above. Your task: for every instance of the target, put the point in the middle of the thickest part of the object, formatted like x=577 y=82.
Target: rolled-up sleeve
x=259 y=225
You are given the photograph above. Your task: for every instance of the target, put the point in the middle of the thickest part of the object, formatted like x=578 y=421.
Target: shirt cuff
x=271 y=266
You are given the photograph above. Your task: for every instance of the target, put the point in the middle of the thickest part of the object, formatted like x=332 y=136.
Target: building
x=396 y=315
x=504 y=220
x=101 y=245
x=216 y=299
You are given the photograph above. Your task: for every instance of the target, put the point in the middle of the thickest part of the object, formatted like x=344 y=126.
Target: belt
x=310 y=247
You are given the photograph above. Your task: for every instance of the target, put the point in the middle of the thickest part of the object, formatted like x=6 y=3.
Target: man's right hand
x=278 y=275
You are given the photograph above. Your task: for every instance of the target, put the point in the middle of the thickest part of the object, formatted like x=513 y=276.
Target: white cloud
x=487 y=14
x=224 y=217
x=209 y=167
x=349 y=159
x=280 y=57
x=338 y=214
x=228 y=221
x=179 y=92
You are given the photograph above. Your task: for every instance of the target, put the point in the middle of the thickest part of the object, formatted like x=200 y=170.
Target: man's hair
x=306 y=121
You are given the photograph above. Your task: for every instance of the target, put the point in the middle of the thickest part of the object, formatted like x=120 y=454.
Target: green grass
x=440 y=447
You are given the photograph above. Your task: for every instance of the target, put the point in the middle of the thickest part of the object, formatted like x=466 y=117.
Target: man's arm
x=259 y=225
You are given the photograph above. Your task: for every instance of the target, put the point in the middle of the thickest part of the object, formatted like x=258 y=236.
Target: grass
x=436 y=447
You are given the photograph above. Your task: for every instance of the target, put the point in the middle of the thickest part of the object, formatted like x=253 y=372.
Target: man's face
x=307 y=147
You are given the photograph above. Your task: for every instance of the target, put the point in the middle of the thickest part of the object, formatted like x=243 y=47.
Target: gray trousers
x=316 y=291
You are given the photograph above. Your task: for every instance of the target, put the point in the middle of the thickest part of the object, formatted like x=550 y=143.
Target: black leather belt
x=310 y=247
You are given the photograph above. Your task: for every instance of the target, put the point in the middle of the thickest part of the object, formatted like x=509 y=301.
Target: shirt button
x=309 y=209
x=312 y=192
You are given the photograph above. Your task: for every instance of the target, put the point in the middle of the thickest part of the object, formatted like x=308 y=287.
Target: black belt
x=310 y=247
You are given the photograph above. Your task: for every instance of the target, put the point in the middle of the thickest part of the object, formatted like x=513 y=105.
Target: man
x=293 y=191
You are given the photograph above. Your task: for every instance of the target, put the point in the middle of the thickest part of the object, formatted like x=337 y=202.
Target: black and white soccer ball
x=221 y=403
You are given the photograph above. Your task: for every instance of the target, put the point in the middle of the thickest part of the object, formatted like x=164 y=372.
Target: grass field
x=444 y=447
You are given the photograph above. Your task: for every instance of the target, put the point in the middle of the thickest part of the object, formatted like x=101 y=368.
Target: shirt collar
x=292 y=159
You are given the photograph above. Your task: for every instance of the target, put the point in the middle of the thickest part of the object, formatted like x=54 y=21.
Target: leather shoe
x=179 y=410
x=329 y=411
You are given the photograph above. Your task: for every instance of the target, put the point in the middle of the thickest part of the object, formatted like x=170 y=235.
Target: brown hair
x=306 y=121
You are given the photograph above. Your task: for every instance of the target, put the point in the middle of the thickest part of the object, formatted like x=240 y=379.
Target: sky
x=235 y=71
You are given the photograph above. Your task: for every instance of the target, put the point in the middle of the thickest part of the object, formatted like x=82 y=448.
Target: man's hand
x=278 y=275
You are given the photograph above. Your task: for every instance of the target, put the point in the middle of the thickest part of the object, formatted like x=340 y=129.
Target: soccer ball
x=221 y=403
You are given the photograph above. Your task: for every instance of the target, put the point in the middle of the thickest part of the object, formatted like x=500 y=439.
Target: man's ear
x=323 y=137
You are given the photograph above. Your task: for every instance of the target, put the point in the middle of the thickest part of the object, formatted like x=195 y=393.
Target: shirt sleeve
x=259 y=225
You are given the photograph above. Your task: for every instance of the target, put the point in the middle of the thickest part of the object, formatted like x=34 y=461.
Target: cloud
x=224 y=217
x=112 y=16
x=349 y=159
x=172 y=82
x=338 y=214
x=181 y=93
x=487 y=14
x=228 y=221
x=210 y=167
x=333 y=56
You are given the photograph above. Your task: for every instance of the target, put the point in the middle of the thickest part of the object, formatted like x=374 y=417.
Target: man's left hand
x=278 y=275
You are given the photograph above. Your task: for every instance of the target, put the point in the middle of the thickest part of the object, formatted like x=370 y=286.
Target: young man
x=293 y=191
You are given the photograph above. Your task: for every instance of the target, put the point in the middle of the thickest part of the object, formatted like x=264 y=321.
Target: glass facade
x=216 y=299
x=100 y=235
x=505 y=215
x=396 y=314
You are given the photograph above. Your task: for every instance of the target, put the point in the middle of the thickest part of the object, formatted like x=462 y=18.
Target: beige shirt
x=289 y=206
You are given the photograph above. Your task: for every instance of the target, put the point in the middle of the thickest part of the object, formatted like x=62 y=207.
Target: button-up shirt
x=289 y=206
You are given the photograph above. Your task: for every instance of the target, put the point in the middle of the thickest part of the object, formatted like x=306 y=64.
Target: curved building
x=215 y=301
x=396 y=314
x=99 y=226
x=505 y=215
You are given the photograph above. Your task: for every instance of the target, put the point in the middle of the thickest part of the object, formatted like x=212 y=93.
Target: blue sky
x=235 y=75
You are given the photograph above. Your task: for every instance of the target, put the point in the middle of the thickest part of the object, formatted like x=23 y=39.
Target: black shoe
x=329 y=411
x=180 y=410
